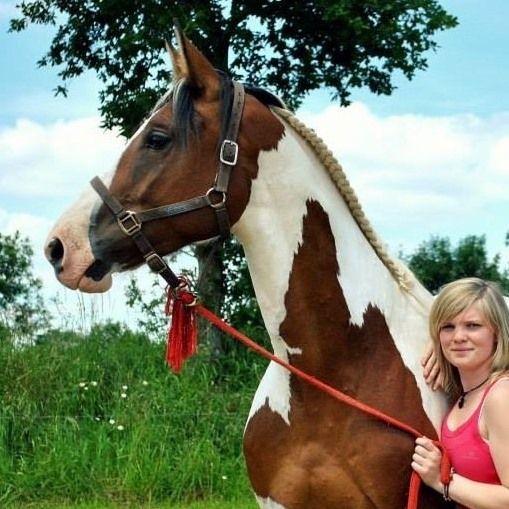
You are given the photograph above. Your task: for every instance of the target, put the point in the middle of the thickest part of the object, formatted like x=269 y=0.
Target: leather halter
x=131 y=222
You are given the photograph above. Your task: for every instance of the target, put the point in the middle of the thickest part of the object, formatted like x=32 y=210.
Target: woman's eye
x=447 y=327
x=156 y=140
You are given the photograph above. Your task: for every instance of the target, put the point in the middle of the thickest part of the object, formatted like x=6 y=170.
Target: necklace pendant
x=461 y=400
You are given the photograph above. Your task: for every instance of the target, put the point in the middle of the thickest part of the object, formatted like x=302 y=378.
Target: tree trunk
x=211 y=291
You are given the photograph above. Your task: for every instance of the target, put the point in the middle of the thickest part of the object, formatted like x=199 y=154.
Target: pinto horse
x=335 y=304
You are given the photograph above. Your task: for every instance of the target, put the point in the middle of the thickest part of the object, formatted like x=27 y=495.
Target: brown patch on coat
x=332 y=456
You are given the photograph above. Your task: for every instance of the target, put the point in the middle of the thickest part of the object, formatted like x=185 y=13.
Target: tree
x=291 y=47
x=435 y=262
x=21 y=306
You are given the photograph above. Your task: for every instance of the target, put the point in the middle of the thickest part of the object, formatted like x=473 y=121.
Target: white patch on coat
x=270 y=230
x=275 y=376
x=268 y=503
x=72 y=229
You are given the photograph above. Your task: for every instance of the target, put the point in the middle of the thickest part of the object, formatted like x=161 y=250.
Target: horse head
x=180 y=155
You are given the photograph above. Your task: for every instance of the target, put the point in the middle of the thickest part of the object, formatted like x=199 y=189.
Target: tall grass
x=100 y=417
x=208 y=504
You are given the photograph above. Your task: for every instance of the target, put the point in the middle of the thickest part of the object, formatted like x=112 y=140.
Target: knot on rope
x=182 y=331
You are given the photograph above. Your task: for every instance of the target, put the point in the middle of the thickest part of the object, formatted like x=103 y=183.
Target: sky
x=431 y=159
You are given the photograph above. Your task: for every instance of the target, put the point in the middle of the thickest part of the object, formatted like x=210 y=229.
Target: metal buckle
x=229 y=158
x=159 y=265
x=129 y=229
x=219 y=204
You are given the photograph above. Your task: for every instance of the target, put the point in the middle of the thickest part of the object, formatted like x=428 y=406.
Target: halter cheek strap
x=131 y=222
x=130 y=225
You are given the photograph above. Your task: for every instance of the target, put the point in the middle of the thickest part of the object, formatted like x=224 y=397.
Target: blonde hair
x=453 y=299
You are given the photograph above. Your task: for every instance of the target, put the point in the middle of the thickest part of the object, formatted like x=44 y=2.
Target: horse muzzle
x=74 y=264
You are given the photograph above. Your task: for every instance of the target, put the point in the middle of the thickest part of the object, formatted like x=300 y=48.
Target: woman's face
x=468 y=341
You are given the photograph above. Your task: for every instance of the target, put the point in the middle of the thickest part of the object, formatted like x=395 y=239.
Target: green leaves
x=21 y=305
x=291 y=47
x=435 y=262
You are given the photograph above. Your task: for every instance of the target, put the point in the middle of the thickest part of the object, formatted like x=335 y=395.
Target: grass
x=100 y=418
x=247 y=504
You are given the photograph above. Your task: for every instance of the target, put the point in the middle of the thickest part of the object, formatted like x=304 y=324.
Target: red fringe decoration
x=182 y=333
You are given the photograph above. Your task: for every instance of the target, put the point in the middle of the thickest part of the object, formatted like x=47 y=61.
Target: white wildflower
x=112 y=421
x=120 y=427
x=123 y=395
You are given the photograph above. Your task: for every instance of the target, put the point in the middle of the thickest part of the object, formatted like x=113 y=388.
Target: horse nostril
x=55 y=253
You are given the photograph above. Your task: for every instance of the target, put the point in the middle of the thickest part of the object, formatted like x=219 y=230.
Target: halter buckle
x=229 y=152
x=129 y=223
x=155 y=262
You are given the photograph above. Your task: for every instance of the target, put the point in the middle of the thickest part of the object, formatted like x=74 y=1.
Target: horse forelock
x=185 y=123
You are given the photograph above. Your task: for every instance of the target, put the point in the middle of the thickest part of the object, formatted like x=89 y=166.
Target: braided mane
x=402 y=275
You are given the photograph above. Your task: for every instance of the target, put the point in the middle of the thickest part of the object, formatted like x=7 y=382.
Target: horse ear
x=190 y=64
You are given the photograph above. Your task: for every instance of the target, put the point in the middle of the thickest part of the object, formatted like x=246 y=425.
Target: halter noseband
x=131 y=222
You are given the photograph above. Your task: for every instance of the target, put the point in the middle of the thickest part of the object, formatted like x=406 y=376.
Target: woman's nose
x=459 y=334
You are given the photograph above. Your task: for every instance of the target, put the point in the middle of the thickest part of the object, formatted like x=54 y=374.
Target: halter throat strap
x=130 y=222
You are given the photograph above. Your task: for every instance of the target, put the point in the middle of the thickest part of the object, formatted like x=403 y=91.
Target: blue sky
x=433 y=158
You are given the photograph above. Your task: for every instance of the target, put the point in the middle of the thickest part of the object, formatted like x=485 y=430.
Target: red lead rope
x=182 y=337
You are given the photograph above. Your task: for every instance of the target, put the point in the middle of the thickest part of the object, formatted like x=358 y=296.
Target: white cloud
x=431 y=175
x=54 y=160
x=498 y=159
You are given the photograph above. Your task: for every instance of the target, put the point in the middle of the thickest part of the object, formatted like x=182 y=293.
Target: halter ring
x=219 y=204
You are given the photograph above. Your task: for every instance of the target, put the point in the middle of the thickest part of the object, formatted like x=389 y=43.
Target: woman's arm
x=495 y=417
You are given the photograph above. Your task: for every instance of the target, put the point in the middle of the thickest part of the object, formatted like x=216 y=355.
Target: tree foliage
x=436 y=262
x=21 y=304
x=292 y=47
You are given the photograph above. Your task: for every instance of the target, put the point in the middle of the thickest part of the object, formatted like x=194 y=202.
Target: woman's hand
x=431 y=369
x=426 y=462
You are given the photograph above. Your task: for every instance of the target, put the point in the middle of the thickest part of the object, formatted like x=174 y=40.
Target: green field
x=248 y=504
x=100 y=418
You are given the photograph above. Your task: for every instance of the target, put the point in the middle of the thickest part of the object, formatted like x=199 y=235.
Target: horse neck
x=303 y=245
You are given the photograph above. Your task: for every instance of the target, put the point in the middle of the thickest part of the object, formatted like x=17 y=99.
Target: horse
x=334 y=302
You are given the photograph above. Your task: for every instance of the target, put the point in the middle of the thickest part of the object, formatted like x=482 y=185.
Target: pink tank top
x=469 y=452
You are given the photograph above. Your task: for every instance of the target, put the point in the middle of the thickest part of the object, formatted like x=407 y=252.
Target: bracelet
x=445 y=493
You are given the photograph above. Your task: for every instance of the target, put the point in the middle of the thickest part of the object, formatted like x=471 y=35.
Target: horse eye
x=156 y=140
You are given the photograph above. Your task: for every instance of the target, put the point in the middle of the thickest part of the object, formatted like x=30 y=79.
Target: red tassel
x=182 y=334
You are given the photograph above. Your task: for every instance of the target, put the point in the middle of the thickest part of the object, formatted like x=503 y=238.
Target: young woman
x=469 y=326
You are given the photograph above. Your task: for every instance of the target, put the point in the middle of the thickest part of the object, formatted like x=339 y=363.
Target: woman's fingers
x=431 y=368
x=426 y=461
